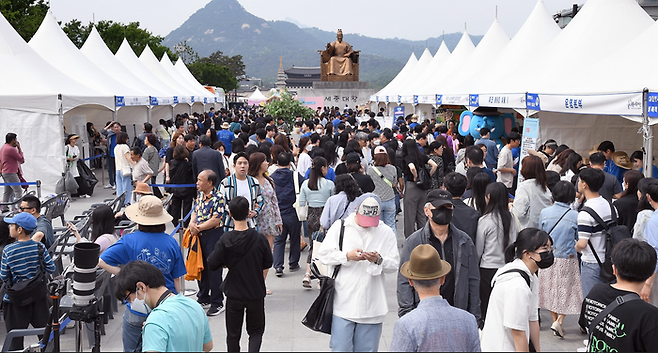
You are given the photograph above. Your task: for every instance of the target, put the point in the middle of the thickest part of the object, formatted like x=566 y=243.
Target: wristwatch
x=379 y=260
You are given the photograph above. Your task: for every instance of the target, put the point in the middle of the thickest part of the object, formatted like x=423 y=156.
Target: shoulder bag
x=320 y=314
x=30 y=290
x=608 y=309
x=302 y=211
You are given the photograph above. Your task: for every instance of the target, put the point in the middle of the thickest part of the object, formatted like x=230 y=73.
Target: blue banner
x=192 y=99
x=205 y=100
x=652 y=106
x=386 y=99
x=175 y=100
x=120 y=102
x=399 y=99
x=532 y=101
x=398 y=112
x=474 y=100
x=154 y=101
x=415 y=99
x=439 y=99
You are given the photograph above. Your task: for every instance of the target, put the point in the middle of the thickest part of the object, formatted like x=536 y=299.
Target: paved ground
x=285 y=309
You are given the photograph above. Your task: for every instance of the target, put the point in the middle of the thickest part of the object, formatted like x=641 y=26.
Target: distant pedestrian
x=11 y=158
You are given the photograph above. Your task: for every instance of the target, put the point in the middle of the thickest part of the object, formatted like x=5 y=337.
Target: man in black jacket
x=465 y=218
x=286 y=196
x=246 y=253
x=207 y=158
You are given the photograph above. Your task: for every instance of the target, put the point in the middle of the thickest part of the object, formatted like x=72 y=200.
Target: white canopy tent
x=204 y=96
x=408 y=67
x=32 y=105
x=256 y=97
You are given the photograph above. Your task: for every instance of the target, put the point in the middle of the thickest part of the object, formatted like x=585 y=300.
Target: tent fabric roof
x=98 y=53
x=127 y=57
x=171 y=70
x=257 y=96
x=412 y=75
x=54 y=46
x=411 y=62
x=36 y=84
x=186 y=74
x=153 y=65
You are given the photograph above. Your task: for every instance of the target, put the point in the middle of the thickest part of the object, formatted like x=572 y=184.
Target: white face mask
x=375 y=142
x=319 y=131
x=139 y=305
x=309 y=147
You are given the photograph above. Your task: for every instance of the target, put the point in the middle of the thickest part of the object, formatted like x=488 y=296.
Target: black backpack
x=424 y=180
x=613 y=234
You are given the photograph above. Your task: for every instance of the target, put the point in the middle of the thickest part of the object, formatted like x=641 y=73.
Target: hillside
x=225 y=25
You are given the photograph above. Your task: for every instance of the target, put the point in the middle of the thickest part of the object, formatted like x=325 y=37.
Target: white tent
x=412 y=76
x=205 y=96
x=256 y=96
x=387 y=90
x=153 y=65
x=31 y=104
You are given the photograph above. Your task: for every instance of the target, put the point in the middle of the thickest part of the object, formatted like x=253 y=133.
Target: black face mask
x=546 y=261
x=441 y=216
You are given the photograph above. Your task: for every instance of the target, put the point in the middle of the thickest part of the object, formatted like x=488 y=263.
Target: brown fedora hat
x=142 y=189
x=424 y=264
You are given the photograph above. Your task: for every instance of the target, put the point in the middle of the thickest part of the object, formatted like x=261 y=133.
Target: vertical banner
x=528 y=140
x=398 y=112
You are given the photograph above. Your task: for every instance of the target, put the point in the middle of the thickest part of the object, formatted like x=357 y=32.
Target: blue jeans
x=132 y=331
x=124 y=184
x=590 y=275
x=111 y=170
x=348 y=336
x=388 y=213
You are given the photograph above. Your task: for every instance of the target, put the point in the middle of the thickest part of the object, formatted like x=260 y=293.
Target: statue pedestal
x=339 y=93
x=340 y=85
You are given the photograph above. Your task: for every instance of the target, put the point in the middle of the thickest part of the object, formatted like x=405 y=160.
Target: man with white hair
x=361 y=249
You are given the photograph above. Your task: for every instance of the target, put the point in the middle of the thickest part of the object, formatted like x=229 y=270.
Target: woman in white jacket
x=532 y=195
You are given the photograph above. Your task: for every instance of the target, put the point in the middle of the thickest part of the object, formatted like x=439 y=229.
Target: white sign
x=456 y=99
x=516 y=101
x=610 y=104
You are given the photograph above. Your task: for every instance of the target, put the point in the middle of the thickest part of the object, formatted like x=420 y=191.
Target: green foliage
x=234 y=63
x=24 y=15
x=113 y=34
x=186 y=53
x=289 y=108
x=213 y=75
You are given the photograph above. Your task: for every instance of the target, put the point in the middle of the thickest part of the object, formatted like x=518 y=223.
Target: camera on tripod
x=86 y=307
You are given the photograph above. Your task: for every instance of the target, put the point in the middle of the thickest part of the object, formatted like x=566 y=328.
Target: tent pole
x=647 y=133
x=148 y=113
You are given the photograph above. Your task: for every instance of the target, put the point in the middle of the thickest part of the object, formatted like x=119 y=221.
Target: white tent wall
x=96 y=114
x=582 y=132
x=42 y=142
x=198 y=107
x=134 y=115
x=182 y=108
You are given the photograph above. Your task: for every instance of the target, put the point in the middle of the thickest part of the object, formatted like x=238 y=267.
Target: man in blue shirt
x=435 y=325
x=175 y=323
x=608 y=148
x=151 y=244
x=491 y=159
x=226 y=136
x=111 y=131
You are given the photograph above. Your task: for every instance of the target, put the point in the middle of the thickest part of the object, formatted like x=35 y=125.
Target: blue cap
x=23 y=220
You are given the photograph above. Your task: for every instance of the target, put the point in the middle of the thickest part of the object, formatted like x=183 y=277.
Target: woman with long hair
x=337 y=207
x=314 y=193
x=384 y=175
x=152 y=157
x=414 y=197
x=176 y=140
x=330 y=154
x=436 y=150
x=626 y=205
x=559 y=285
x=532 y=195
x=560 y=161
x=478 y=190
x=571 y=167
x=644 y=209
x=496 y=230
x=514 y=297
x=181 y=173
x=72 y=155
x=123 y=164
x=448 y=157
x=304 y=159
x=102 y=228
x=274 y=152
x=269 y=218
x=212 y=133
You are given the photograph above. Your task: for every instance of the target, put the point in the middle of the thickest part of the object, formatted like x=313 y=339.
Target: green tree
x=288 y=108
x=113 y=34
x=234 y=63
x=213 y=75
x=24 y=15
x=186 y=53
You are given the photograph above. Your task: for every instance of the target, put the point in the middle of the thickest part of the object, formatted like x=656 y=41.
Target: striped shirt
x=590 y=229
x=20 y=260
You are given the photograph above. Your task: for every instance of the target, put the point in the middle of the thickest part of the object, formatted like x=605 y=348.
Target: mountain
x=225 y=25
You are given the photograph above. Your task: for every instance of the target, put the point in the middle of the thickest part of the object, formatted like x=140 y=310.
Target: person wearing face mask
x=368 y=251
x=462 y=286
x=175 y=323
x=512 y=322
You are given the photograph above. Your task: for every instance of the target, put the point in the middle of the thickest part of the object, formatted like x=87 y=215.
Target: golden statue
x=339 y=61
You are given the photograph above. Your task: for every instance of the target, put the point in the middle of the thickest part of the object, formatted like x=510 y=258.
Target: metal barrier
x=27 y=183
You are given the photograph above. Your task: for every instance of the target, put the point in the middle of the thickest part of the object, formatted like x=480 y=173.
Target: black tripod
x=55 y=290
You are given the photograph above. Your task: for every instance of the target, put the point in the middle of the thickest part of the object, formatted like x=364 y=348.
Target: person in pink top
x=11 y=157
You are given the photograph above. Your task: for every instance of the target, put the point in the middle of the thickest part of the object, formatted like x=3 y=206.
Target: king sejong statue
x=339 y=57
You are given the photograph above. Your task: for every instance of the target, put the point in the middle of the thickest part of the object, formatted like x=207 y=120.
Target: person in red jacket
x=11 y=158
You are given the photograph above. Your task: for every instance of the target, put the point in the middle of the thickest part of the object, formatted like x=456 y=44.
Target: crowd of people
x=488 y=237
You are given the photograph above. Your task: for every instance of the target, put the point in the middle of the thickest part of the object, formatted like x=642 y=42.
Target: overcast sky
x=409 y=19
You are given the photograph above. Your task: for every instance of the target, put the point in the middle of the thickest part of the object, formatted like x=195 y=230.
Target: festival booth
x=256 y=97
x=385 y=95
x=409 y=79
x=217 y=94
x=33 y=103
x=202 y=96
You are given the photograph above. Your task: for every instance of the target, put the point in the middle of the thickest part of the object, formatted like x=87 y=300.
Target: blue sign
x=474 y=100
x=175 y=99
x=192 y=99
x=532 y=101
x=399 y=99
x=652 y=105
x=377 y=99
x=119 y=101
x=415 y=99
x=386 y=99
x=154 y=100
x=398 y=112
x=205 y=100
x=439 y=99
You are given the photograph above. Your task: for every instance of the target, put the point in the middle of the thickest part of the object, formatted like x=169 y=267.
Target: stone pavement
x=286 y=307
